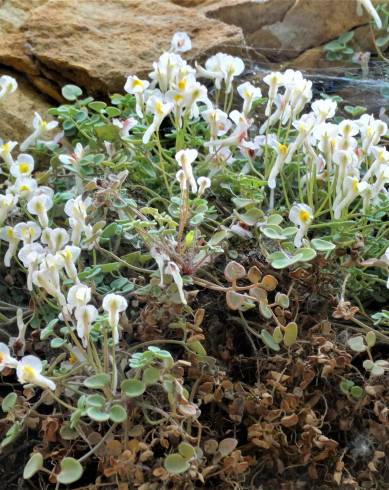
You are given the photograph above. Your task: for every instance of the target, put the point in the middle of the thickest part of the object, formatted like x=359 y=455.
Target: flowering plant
x=118 y=222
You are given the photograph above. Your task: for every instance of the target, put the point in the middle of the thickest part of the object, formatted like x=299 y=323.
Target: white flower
x=114 y=304
x=351 y=188
x=185 y=158
x=41 y=127
x=25 y=187
x=78 y=295
x=137 y=87
x=7 y=204
x=249 y=94
x=85 y=316
x=30 y=256
x=220 y=67
x=203 y=183
x=70 y=255
x=274 y=80
x=371 y=11
x=181 y=43
x=167 y=69
x=8 y=235
x=156 y=106
x=218 y=121
x=39 y=205
x=29 y=371
x=125 y=125
x=301 y=215
x=74 y=158
x=173 y=270
x=282 y=152
x=55 y=238
x=160 y=257
x=23 y=166
x=27 y=232
x=6 y=360
x=5 y=151
x=324 y=109
x=182 y=180
x=238 y=135
x=76 y=209
x=47 y=278
x=8 y=85
x=18 y=344
x=304 y=126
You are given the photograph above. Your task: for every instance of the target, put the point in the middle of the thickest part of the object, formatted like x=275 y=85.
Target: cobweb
x=370 y=90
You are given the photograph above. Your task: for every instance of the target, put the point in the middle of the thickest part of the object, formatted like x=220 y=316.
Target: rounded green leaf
x=95 y=401
x=97 y=414
x=371 y=339
x=71 y=471
x=290 y=334
x=322 y=245
x=176 y=464
x=133 y=387
x=274 y=232
x=97 y=381
x=9 y=402
x=67 y=432
x=197 y=347
x=71 y=92
x=305 y=254
x=356 y=392
x=117 y=414
x=269 y=341
x=278 y=335
x=151 y=375
x=34 y=464
x=282 y=300
x=186 y=450
x=357 y=344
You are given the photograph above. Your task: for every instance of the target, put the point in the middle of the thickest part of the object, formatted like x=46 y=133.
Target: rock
x=97 y=44
x=14 y=13
x=17 y=109
x=282 y=29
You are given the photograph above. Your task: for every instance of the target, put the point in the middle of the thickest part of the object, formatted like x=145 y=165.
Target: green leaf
x=305 y=254
x=197 y=347
x=282 y=300
x=370 y=339
x=111 y=230
x=278 y=335
x=357 y=344
x=274 y=219
x=71 y=92
x=274 y=232
x=322 y=245
x=345 y=385
x=57 y=343
x=71 y=471
x=117 y=414
x=9 y=402
x=97 y=106
x=133 y=387
x=346 y=37
x=356 y=392
x=269 y=341
x=176 y=464
x=34 y=464
x=290 y=334
x=95 y=401
x=113 y=111
x=67 y=433
x=251 y=217
x=186 y=450
x=97 y=381
x=108 y=132
x=151 y=375
x=97 y=414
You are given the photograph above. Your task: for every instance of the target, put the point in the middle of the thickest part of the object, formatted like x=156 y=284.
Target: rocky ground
x=95 y=44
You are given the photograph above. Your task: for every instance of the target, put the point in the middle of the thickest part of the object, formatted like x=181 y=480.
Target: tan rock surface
x=96 y=44
x=282 y=29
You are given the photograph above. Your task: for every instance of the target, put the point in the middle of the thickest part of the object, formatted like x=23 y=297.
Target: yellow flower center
x=23 y=167
x=10 y=233
x=72 y=358
x=282 y=149
x=159 y=108
x=304 y=216
x=23 y=188
x=355 y=185
x=28 y=373
x=182 y=84
x=137 y=83
x=2 y=357
x=5 y=148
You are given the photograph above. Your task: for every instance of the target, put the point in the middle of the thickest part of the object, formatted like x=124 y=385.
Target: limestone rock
x=97 y=44
x=17 y=109
x=14 y=13
x=282 y=29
